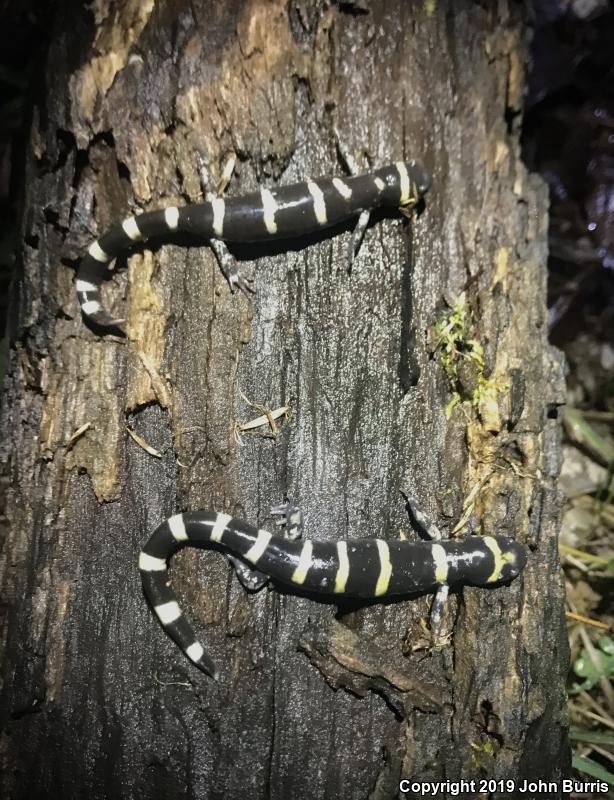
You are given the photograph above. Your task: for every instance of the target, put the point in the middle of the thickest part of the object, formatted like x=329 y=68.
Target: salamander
x=357 y=568
x=280 y=213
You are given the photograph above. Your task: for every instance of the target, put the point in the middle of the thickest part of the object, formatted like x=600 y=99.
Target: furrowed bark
x=97 y=701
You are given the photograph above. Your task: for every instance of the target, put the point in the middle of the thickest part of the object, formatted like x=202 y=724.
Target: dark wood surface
x=314 y=701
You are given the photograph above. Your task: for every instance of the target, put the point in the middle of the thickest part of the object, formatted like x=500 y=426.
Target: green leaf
x=591 y=768
x=598 y=667
x=583 y=433
x=596 y=737
x=606 y=643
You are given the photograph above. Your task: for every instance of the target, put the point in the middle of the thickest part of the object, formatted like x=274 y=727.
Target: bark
x=97 y=702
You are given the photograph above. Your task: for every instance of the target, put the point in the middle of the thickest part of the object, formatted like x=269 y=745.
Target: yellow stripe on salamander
x=440 y=562
x=343 y=571
x=304 y=562
x=385 y=568
x=501 y=558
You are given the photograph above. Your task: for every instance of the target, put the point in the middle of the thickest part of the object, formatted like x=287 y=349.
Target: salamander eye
x=510 y=569
x=424 y=180
x=514 y=561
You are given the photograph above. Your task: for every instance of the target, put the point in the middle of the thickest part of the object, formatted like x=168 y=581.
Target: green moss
x=462 y=357
x=482 y=755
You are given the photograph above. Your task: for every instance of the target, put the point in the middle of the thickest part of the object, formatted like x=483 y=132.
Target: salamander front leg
x=420 y=520
x=228 y=265
x=236 y=279
x=357 y=236
x=427 y=528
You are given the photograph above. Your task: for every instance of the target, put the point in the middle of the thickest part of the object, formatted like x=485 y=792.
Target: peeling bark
x=96 y=701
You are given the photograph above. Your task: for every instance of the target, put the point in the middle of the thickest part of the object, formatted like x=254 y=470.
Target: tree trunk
x=97 y=701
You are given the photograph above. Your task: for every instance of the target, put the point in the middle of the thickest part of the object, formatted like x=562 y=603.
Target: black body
x=280 y=213
x=364 y=568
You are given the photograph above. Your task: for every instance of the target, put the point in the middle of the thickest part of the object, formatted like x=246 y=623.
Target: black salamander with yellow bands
x=281 y=213
x=363 y=568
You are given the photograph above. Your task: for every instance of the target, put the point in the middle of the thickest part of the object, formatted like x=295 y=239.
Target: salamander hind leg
x=363 y=220
x=250 y=579
x=230 y=269
x=289 y=519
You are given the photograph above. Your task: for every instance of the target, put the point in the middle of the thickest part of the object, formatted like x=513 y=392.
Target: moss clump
x=462 y=358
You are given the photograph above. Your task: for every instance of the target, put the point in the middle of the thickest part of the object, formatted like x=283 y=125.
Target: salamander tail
x=153 y=565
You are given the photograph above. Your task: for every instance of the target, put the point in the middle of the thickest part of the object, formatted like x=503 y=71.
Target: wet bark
x=96 y=701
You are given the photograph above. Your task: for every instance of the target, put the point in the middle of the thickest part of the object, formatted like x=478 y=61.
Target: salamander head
x=510 y=558
x=421 y=177
x=414 y=183
x=401 y=185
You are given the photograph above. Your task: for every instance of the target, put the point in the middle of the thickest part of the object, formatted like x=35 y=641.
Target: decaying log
x=97 y=702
